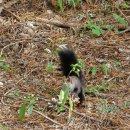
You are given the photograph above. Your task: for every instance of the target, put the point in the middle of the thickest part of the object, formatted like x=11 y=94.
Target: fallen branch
x=38 y=112
x=54 y=22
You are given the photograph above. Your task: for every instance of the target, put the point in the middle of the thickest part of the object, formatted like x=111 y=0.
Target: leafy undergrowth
x=29 y=66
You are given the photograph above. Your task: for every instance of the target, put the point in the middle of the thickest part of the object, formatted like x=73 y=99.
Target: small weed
x=27 y=105
x=120 y=19
x=94 y=70
x=127 y=104
x=3 y=65
x=22 y=111
x=74 y=3
x=81 y=63
x=105 y=107
x=116 y=30
x=105 y=69
x=116 y=64
x=50 y=67
x=60 y=5
x=104 y=87
x=92 y=89
x=124 y=5
x=76 y=69
x=96 y=29
x=2 y=127
x=63 y=98
x=70 y=3
x=95 y=91
x=109 y=27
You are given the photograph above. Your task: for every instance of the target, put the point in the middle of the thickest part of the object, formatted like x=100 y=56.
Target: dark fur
x=67 y=58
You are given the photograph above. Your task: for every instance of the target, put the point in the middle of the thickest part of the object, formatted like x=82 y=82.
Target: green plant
x=81 y=63
x=93 y=89
x=105 y=68
x=109 y=27
x=120 y=19
x=74 y=3
x=63 y=98
x=50 y=67
x=116 y=64
x=2 y=127
x=104 y=87
x=124 y=5
x=60 y=5
x=27 y=105
x=126 y=104
x=96 y=29
x=22 y=111
x=94 y=70
x=76 y=69
x=105 y=107
x=3 y=65
x=116 y=30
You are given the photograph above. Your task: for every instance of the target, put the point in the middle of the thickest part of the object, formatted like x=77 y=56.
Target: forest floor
x=30 y=35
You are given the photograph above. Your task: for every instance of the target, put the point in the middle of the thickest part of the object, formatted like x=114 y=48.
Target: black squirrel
x=76 y=83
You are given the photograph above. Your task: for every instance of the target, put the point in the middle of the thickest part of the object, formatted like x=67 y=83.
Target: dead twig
x=2 y=50
x=125 y=31
x=15 y=16
x=54 y=22
x=53 y=121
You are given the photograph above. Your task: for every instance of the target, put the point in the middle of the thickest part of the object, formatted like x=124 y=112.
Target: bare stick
x=38 y=112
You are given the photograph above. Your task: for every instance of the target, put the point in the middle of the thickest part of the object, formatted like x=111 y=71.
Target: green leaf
x=124 y=5
x=95 y=28
x=61 y=96
x=50 y=67
x=22 y=111
x=105 y=68
x=116 y=30
x=81 y=63
x=94 y=70
x=104 y=87
x=60 y=5
x=120 y=19
x=109 y=27
x=76 y=69
x=30 y=109
x=62 y=107
x=71 y=3
x=4 y=66
x=3 y=127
